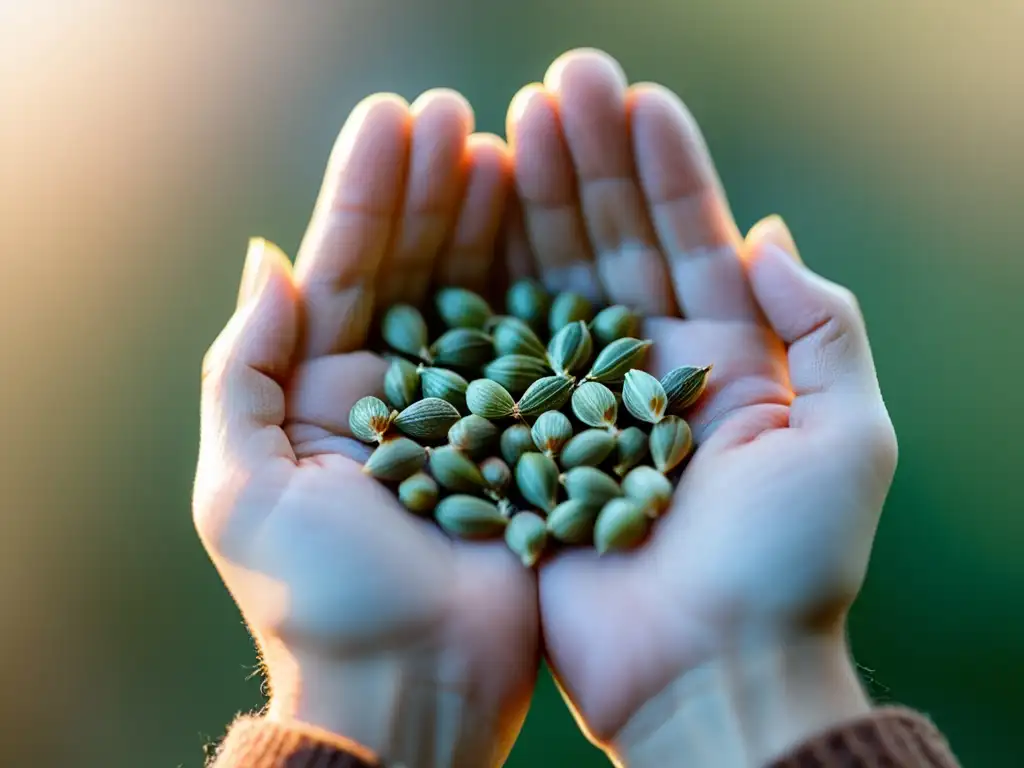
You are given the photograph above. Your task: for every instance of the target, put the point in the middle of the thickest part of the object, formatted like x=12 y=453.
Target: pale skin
x=721 y=641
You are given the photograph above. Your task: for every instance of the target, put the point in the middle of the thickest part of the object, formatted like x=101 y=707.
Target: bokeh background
x=143 y=142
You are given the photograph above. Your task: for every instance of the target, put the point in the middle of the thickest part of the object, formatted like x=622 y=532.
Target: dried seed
x=469 y=517
x=537 y=479
x=370 y=419
x=516 y=372
x=427 y=419
x=513 y=336
x=418 y=493
x=590 y=485
x=649 y=487
x=444 y=384
x=462 y=348
x=473 y=435
x=643 y=396
x=489 y=399
x=671 y=441
x=515 y=441
x=396 y=459
x=684 y=386
x=454 y=471
x=588 y=449
x=618 y=357
x=497 y=474
x=401 y=383
x=622 y=524
x=528 y=301
x=460 y=308
x=566 y=308
x=570 y=348
x=573 y=521
x=615 y=322
x=547 y=394
x=405 y=330
x=526 y=535
x=595 y=405
x=630 y=448
x=551 y=431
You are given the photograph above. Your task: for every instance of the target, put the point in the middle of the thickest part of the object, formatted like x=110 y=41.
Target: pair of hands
x=721 y=641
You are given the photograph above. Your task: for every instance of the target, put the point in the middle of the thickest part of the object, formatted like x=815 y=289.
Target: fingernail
x=523 y=99
x=773 y=229
x=255 y=272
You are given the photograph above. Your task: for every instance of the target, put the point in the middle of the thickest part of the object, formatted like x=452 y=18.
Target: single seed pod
x=671 y=441
x=644 y=397
x=684 y=386
x=401 y=383
x=649 y=487
x=516 y=372
x=615 y=322
x=567 y=308
x=489 y=399
x=466 y=348
x=473 y=435
x=528 y=301
x=630 y=448
x=515 y=441
x=547 y=394
x=405 y=330
x=621 y=525
x=445 y=385
x=418 y=493
x=454 y=472
x=537 y=479
x=588 y=449
x=497 y=474
x=513 y=336
x=427 y=419
x=572 y=522
x=460 y=308
x=395 y=460
x=551 y=431
x=370 y=419
x=595 y=405
x=590 y=485
x=526 y=535
x=570 y=348
x=469 y=517
x=618 y=357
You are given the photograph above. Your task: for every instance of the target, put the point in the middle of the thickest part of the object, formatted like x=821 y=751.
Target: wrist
x=746 y=707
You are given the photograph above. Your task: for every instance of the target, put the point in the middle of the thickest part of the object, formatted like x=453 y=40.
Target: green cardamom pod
x=644 y=397
x=617 y=358
x=466 y=348
x=590 y=485
x=454 y=471
x=395 y=460
x=528 y=301
x=516 y=372
x=671 y=441
x=567 y=308
x=570 y=348
x=551 y=431
x=588 y=448
x=615 y=322
x=418 y=493
x=595 y=405
x=401 y=383
x=649 y=487
x=622 y=524
x=630 y=448
x=370 y=419
x=405 y=330
x=427 y=419
x=489 y=399
x=526 y=535
x=469 y=517
x=445 y=385
x=572 y=522
x=473 y=435
x=460 y=308
x=515 y=441
x=537 y=479
x=684 y=386
x=513 y=336
x=497 y=474
x=547 y=394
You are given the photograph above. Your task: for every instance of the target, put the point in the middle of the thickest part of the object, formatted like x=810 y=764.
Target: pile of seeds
x=492 y=431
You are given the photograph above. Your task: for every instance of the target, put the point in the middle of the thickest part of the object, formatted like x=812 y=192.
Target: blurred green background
x=142 y=143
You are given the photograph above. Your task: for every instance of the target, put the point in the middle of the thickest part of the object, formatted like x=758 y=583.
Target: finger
x=469 y=255
x=691 y=215
x=830 y=365
x=354 y=220
x=591 y=90
x=517 y=260
x=546 y=184
x=442 y=120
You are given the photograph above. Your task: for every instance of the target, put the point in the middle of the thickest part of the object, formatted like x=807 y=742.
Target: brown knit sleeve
x=891 y=737
x=256 y=743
